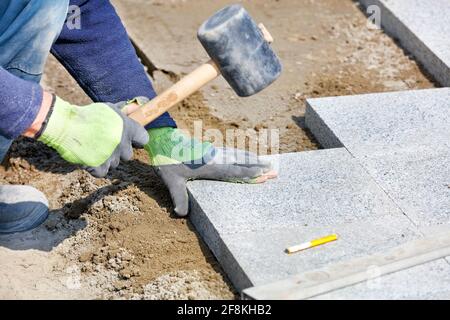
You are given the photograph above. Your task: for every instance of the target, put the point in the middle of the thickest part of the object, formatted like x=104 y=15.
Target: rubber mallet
x=240 y=51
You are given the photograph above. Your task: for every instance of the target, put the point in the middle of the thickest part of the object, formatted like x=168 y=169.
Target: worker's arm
x=20 y=103
x=102 y=59
x=96 y=136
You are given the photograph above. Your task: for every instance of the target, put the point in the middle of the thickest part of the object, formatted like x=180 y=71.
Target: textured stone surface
x=403 y=141
x=389 y=183
x=305 y=190
x=427 y=281
x=361 y=277
x=384 y=121
x=423 y=28
x=417 y=182
x=317 y=193
x=261 y=254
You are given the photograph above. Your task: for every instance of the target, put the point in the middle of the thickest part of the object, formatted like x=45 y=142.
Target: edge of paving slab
x=396 y=28
x=212 y=238
x=320 y=130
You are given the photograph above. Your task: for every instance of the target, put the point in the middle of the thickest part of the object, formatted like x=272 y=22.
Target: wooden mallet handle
x=177 y=93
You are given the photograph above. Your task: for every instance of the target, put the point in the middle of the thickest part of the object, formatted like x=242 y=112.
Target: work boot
x=22 y=208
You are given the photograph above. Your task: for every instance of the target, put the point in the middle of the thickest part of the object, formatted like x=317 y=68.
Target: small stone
x=117 y=226
x=85 y=256
x=120 y=285
x=126 y=256
x=125 y=274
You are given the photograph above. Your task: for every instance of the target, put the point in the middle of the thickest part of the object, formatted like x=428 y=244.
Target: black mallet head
x=238 y=47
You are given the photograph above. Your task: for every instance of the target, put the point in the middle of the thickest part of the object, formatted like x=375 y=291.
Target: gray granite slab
x=402 y=142
x=382 y=121
x=429 y=281
x=248 y=226
x=402 y=139
x=423 y=28
x=262 y=258
x=418 y=182
x=367 y=276
x=314 y=188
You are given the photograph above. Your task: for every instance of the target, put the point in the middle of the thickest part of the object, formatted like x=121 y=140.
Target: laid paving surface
x=415 y=270
x=428 y=281
x=402 y=140
x=388 y=184
x=423 y=28
x=317 y=193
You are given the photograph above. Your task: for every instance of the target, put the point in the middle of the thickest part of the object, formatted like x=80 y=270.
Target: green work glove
x=96 y=136
x=178 y=158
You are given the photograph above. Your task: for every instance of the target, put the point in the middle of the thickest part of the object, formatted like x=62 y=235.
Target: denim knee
x=29 y=29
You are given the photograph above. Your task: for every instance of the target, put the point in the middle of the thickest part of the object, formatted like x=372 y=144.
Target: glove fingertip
x=101 y=171
x=115 y=162
x=180 y=200
x=126 y=152
x=181 y=212
x=254 y=172
x=176 y=185
x=97 y=172
x=140 y=137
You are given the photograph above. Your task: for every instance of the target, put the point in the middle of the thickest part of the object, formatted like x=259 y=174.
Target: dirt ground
x=116 y=237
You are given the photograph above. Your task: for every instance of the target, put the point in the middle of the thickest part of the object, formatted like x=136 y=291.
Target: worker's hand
x=96 y=136
x=178 y=159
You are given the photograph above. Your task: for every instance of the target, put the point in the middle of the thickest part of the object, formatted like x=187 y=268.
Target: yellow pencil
x=312 y=244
